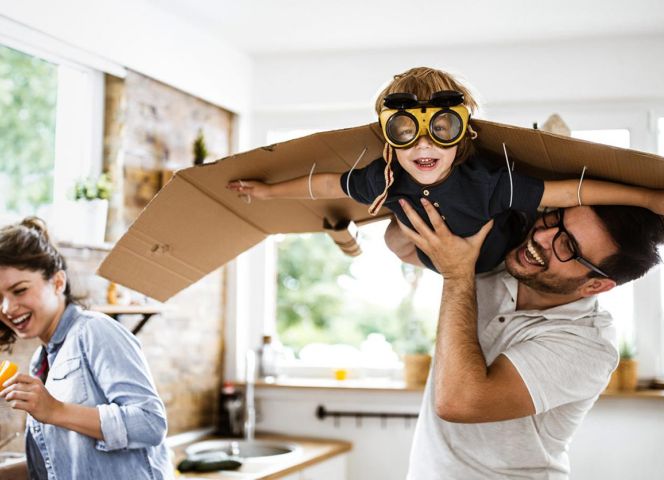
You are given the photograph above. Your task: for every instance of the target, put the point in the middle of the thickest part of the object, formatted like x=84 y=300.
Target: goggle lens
x=446 y=126
x=401 y=128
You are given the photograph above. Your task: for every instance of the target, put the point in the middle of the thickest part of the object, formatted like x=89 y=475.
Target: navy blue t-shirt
x=470 y=196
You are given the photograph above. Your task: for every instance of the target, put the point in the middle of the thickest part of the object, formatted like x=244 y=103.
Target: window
x=616 y=137
x=326 y=297
x=50 y=131
x=619 y=301
x=28 y=94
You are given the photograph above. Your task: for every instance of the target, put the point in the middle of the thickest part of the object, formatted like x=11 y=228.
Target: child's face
x=426 y=161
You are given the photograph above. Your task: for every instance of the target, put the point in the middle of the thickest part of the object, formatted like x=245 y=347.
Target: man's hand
x=453 y=256
x=27 y=393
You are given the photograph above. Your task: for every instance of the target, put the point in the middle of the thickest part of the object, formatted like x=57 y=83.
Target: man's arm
x=466 y=390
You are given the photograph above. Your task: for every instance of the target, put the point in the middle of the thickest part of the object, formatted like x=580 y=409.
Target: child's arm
x=323 y=185
x=563 y=193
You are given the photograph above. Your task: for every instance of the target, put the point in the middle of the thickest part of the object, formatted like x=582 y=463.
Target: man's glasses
x=565 y=247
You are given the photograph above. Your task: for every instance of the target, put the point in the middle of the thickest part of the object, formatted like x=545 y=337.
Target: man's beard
x=546 y=283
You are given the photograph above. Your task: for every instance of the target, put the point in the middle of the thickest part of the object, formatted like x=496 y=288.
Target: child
x=425 y=114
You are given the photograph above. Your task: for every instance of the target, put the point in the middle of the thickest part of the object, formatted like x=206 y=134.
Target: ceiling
x=259 y=27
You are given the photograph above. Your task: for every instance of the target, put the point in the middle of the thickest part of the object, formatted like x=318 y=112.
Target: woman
x=93 y=410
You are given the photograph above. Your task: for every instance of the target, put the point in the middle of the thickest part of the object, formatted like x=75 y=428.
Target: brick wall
x=151 y=127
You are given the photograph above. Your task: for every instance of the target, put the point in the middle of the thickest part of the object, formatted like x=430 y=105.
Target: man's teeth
x=533 y=253
x=21 y=319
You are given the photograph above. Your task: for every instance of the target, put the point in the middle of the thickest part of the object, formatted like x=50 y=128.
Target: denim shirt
x=96 y=362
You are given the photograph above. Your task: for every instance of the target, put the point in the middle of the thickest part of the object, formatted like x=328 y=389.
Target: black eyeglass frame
x=560 y=212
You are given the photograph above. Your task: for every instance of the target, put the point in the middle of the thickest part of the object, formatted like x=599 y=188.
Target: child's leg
x=400 y=245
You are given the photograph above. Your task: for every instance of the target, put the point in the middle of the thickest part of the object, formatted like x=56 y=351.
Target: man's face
x=534 y=263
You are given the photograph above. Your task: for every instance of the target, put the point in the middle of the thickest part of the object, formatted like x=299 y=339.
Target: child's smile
x=426 y=162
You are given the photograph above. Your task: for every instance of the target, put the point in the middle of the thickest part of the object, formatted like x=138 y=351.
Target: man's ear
x=597 y=285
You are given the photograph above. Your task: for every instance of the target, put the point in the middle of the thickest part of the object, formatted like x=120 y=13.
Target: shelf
x=645 y=393
x=145 y=311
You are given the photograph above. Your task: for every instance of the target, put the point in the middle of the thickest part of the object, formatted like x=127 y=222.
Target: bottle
x=229 y=423
x=267 y=365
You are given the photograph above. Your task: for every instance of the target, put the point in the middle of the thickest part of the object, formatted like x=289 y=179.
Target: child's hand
x=249 y=189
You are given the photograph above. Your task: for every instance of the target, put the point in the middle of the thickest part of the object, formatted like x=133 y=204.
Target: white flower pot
x=82 y=222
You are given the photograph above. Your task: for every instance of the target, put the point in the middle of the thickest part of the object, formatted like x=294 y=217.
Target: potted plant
x=415 y=342
x=91 y=209
x=416 y=357
x=628 y=366
x=199 y=149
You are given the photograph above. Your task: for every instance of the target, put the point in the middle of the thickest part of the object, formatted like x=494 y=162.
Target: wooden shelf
x=145 y=311
x=112 y=310
x=645 y=393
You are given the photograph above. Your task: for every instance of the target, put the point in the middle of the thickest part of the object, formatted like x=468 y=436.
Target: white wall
x=333 y=90
x=619 y=439
x=137 y=34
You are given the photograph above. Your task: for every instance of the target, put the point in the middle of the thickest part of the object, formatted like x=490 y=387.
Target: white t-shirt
x=565 y=356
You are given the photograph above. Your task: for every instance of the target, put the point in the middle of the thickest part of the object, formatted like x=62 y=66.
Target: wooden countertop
x=314 y=450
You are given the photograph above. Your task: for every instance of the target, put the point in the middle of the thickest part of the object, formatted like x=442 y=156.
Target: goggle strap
x=388 y=151
x=469 y=129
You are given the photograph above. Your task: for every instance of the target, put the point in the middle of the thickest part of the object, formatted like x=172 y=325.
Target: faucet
x=250 y=408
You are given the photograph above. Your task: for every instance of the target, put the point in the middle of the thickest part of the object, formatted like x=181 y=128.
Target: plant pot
x=614 y=382
x=416 y=368
x=628 y=372
x=82 y=222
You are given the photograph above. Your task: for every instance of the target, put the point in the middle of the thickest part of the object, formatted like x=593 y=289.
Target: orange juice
x=7 y=370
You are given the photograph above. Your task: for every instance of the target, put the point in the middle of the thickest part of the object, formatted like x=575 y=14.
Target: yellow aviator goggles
x=404 y=118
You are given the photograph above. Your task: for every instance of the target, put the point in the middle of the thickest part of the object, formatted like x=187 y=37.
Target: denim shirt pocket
x=66 y=381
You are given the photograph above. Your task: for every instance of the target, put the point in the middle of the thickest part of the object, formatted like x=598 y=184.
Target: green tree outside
x=28 y=93
x=313 y=306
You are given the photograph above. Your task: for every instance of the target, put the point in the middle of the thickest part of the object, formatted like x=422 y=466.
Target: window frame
x=79 y=126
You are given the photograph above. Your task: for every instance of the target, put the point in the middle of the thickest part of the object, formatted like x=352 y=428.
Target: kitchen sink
x=9 y=458
x=251 y=450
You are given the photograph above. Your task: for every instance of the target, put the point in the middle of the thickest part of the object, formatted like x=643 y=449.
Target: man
x=522 y=353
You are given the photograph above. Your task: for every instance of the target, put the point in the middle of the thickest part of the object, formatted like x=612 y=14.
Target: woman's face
x=30 y=305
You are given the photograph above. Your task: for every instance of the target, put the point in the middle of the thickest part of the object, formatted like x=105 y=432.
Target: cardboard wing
x=194 y=224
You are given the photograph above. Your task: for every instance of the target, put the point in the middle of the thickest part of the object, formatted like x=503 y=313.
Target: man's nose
x=544 y=235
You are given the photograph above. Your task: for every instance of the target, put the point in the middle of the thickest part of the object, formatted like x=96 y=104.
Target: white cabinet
x=331 y=469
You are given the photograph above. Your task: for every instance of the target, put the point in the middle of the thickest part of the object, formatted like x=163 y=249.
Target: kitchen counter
x=313 y=451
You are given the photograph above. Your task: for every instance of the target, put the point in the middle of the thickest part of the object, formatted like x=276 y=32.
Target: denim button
x=425 y=192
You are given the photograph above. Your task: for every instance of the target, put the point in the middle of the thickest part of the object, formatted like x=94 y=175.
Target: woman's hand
x=250 y=188
x=29 y=394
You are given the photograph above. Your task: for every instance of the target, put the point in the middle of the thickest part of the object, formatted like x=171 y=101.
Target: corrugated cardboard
x=194 y=224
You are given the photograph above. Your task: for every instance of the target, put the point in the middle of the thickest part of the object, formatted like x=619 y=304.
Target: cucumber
x=208 y=465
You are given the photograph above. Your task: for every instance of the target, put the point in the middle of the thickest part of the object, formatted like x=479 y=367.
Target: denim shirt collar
x=64 y=325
